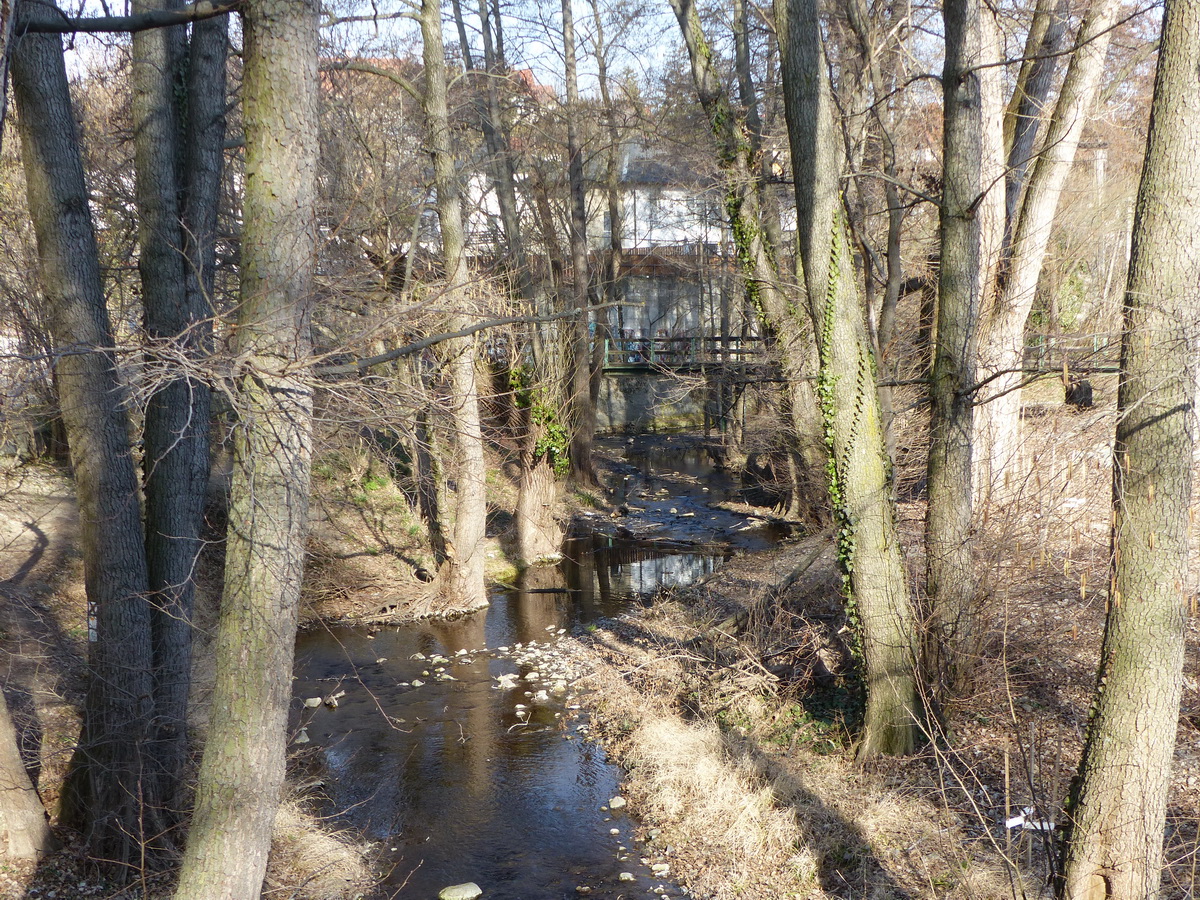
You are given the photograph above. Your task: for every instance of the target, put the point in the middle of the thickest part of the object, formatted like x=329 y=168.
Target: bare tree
x=464 y=583
x=972 y=226
x=1002 y=324
x=860 y=492
x=103 y=795
x=242 y=769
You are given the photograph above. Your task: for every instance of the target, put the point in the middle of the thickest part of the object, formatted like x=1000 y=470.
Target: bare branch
x=155 y=18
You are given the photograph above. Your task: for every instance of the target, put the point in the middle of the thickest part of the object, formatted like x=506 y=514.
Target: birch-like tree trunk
x=1117 y=809
x=1002 y=324
x=869 y=549
x=242 y=769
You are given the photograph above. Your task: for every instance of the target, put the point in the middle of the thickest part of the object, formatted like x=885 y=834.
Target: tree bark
x=972 y=227
x=464 y=576
x=24 y=831
x=1117 y=809
x=1026 y=109
x=177 y=169
x=106 y=782
x=242 y=769
x=879 y=607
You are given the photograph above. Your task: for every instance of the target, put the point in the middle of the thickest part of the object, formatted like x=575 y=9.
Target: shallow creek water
x=464 y=775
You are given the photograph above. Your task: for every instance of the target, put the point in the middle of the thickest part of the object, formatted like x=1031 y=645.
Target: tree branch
x=61 y=23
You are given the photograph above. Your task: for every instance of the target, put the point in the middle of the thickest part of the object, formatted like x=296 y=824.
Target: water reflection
x=471 y=783
x=462 y=781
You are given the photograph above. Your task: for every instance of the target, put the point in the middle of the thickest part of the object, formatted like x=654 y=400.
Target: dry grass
x=733 y=705
x=311 y=862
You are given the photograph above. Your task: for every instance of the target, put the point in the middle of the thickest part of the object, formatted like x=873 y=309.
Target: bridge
x=641 y=355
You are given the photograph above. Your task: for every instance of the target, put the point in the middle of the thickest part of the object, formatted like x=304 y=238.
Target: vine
x=554 y=441
x=827 y=401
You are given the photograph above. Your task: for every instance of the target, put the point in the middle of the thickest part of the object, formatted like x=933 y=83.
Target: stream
x=462 y=746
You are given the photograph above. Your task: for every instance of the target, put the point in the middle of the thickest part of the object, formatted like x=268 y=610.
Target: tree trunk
x=176 y=235
x=1002 y=329
x=879 y=607
x=242 y=769
x=106 y=782
x=764 y=293
x=1117 y=809
x=24 y=831
x=464 y=576
x=972 y=227
x=583 y=410
x=1026 y=109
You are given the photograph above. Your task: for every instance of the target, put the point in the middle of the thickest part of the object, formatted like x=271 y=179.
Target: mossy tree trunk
x=763 y=285
x=1117 y=810
x=859 y=484
x=242 y=770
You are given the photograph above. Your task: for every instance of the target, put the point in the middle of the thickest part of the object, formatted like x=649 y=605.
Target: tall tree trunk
x=106 y=783
x=583 y=409
x=25 y=834
x=764 y=292
x=880 y=609
x=1026 y=109
x=1002 y=328
x=1117 y=810
x=242 y=770
x=972 y=227
x=464 y=576
x=177 y=233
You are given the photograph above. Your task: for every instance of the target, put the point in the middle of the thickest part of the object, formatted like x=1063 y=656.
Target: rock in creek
x=468 y=891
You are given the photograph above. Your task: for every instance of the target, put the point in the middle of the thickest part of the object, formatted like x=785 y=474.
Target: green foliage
x=823 y=721
x=554 y=442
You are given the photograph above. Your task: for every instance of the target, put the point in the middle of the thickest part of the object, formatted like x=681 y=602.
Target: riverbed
x=463 y=747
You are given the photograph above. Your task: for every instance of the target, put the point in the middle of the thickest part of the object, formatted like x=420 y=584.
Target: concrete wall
x=647 y=403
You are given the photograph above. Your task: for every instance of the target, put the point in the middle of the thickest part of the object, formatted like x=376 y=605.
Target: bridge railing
x=679 y=352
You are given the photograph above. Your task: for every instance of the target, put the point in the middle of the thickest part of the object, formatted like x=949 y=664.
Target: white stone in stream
x=460 y=652
x=541 y=697
x=533 y=676
x=661 y=870
x=468 y=891
x=312 y=702
x=626 y=876
x=616 y=803
x=301 y=737
x=417 y=682
x=507 y=682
